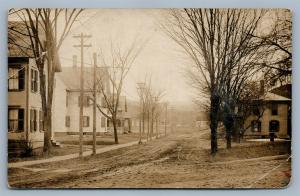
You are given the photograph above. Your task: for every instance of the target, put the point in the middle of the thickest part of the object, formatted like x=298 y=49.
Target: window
x=120 y=108
x=103 y=102
x=16 y=120
x=16 y=78
x=33 y=120
x=119 y=123
x=34 y=80
x=41 y=121
x=256 y=126
x=274 y=126
x=67 y=122
x=86 y=101
x=86 y=121
x=255 y=110
x=274 y=108
x=103 y=120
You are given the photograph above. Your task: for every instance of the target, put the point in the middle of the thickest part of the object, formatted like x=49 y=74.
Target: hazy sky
x=160 y=58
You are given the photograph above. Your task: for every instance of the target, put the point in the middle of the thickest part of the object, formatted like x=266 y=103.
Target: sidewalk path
x=74 y=155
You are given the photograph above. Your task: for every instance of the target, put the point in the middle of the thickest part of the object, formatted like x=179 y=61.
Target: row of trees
x=151 y=108
x=229 y=51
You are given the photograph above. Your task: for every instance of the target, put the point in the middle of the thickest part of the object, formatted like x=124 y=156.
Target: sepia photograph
x=189 y=98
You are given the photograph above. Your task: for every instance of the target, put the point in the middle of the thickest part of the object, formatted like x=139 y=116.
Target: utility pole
x=156 y=115
x=81 y=46
x=94 y=104
x=166 y=117
x=140 y=87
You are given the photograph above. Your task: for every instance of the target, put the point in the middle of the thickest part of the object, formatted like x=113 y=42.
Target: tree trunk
x=236 y=130
x=152 y=124
x=148 y=125
x=156 y=126
x=228 y=122
x=228 y=138
x=143 y=116
x=129 y=125
x=47 y=97
x=214 y=110
x=114 y=121
x=47 y=114
x=47 y=132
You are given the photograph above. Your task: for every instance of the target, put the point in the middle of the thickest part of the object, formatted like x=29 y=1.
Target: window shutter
x=67 y=123
x=87 y=101
x=103 y=119
x=31 y=122
x=21 y=79
x=31 y=80
x=84 y=101
x=41 y=121
x=66 y=99
x=36 y=80
x=21 y=120
x=34 y=119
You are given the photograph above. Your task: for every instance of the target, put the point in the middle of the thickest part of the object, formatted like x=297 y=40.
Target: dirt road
x=179 y=160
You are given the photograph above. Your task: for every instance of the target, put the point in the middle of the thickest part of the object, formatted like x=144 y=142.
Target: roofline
x=78 y=90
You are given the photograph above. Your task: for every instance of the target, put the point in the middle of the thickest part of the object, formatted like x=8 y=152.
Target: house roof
x=284 y=90
x=18 y=40
x=274 y=97
x=19 y=44
x=71 y=77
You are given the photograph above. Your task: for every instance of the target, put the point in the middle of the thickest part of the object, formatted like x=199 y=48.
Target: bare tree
x=277 y=61
x=46 y=29
x=150 y=102
x=110 y=83
x=153 y=109
x=157 y=111
x=217 y=41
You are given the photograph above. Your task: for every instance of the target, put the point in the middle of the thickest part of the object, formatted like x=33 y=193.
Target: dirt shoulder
x=180 y=160
x=70 y=145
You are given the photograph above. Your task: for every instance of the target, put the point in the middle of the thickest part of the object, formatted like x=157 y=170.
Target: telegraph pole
x=81 y=46
x=166 y=117
x=94 y=104
x=140 y=88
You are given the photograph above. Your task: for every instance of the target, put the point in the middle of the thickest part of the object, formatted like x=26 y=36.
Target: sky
x=161 y=58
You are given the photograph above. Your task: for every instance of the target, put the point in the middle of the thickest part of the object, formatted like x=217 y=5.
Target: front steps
x=56 y=143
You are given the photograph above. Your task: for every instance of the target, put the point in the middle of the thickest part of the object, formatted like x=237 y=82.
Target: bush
x=27 y=147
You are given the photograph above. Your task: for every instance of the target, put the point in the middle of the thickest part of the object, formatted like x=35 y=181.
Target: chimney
x=74 y=61
x=262 y=87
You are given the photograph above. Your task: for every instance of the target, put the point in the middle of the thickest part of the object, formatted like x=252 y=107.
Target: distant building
x=275 y=117
x=67 y=104
x=202 y=120
x=133 y=110
x=124 y=118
